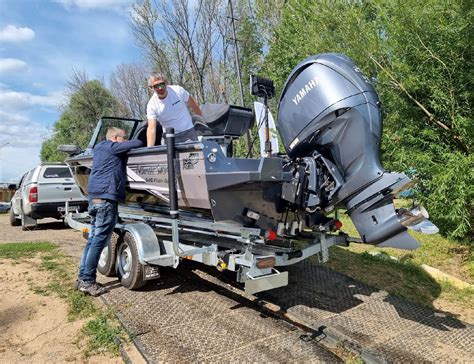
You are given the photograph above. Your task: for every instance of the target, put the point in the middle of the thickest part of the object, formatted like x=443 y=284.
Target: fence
x=6 y=194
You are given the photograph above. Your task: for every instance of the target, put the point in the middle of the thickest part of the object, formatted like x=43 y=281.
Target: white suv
x=43 y=192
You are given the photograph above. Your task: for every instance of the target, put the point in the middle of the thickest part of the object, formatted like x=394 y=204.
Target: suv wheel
x=13 y=220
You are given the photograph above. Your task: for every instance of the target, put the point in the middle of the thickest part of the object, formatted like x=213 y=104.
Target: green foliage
x=102 y=333
x=77 y=122
x=427 y=54
x=450 y=194
x=250 y=45
x=419 y=57
x=309 y=27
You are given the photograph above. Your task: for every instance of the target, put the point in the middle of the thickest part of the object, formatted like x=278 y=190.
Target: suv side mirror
x=13 y=186
x=70 y=149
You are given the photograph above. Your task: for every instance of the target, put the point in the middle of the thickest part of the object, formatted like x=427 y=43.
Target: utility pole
x=237 y=63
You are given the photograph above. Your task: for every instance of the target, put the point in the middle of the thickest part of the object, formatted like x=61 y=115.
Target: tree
x=143 y=20
x=180 y=39
x=128 y=84
x=425 y=77
x=419 y=57
x=86 y=105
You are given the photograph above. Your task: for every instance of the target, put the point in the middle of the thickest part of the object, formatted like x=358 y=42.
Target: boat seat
x=223 y=120
x=140 y=134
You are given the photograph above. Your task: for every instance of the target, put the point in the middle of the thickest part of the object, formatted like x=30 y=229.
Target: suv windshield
x=57 y=172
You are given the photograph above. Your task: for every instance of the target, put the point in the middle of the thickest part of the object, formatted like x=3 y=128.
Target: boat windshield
x=129 y=125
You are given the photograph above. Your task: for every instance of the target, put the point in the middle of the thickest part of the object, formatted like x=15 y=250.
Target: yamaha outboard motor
x=329 y=119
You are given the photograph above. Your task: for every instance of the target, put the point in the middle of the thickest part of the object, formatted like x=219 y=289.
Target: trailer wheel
x=129 y=270
x=106 y=265
x=13 y=220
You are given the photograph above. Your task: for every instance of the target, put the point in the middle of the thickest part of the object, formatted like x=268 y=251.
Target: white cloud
x=20 y=130
x=14 y=101
x=119 y=5
x=11 y=65
x=13 y=34
x=21 y=140
x=15 y=160
x=7 y=118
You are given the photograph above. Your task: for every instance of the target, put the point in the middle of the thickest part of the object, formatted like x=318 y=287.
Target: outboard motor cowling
x=329 y=111
x=329 y=106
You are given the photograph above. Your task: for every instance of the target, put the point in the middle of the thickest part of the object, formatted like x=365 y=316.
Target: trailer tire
x=129 y=270
x=106 y=265
x=13 y=220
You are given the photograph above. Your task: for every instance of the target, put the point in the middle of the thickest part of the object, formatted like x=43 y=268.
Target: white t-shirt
x=172 y=111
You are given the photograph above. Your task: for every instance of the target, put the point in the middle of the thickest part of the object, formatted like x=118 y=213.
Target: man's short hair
x=157 y=76
x=113 y=131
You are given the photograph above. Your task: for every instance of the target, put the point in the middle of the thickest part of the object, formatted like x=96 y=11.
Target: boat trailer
x=146 y=239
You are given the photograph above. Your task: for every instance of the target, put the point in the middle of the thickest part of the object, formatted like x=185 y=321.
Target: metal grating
x=194 y=314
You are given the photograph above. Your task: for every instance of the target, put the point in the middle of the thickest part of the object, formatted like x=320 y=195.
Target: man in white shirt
x=169 y=107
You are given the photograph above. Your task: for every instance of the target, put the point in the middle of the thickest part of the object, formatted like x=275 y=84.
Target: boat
x=330 y=124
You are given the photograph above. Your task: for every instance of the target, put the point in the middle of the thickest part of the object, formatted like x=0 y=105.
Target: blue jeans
x=103 y=219
x=189 y=135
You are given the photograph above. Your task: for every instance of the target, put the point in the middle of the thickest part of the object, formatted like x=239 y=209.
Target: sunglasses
x=158 y=85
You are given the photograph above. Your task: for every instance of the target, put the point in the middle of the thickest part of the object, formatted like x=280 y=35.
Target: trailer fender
x=148 y=246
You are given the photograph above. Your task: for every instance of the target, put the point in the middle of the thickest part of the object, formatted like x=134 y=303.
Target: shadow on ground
x=50 y=225
x=365 y=316
x=316 y=292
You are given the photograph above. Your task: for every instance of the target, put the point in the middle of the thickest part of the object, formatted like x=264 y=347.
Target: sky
x=41 y=43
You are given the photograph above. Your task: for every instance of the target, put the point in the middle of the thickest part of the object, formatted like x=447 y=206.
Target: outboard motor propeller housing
x=329 y=111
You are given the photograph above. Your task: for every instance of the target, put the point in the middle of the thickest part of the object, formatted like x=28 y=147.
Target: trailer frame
x=144 y=241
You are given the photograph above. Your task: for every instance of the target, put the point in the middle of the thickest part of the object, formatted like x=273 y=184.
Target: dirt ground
x=35 y=328
x=70 y=241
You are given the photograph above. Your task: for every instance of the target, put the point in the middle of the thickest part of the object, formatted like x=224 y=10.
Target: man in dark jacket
x=106 y=188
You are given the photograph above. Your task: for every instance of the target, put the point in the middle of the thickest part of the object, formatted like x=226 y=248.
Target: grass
x=24 y=250
x=100 y=332
x=401 y=278
x=403 y=275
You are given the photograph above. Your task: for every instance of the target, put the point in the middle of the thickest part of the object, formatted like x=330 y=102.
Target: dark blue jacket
x=109 y=176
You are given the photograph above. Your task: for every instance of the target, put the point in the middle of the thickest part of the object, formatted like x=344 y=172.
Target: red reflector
x=268 y=262
x=271 y=235
x=337 y=225
x=33 y=194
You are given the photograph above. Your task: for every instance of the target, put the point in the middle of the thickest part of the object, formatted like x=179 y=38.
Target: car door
x=16 y=199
